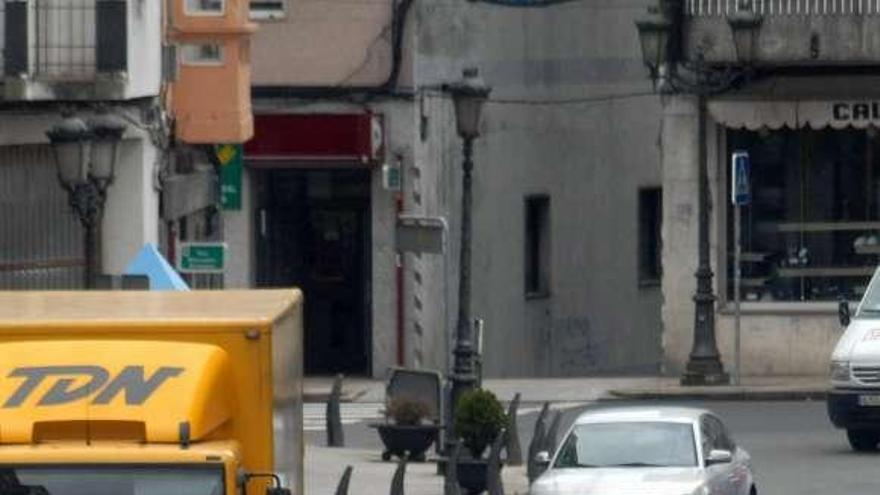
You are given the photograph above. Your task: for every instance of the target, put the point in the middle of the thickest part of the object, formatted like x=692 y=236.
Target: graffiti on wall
x=572 y=345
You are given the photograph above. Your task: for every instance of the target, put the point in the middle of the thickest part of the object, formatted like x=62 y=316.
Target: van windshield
x=871 y=306
x=100 y=480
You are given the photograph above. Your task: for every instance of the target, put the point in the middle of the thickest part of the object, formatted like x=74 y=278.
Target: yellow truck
x=151 y=393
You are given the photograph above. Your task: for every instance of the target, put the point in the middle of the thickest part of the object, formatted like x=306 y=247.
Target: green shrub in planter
x=479 y=418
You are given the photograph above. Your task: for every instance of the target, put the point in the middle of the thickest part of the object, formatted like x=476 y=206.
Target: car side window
x=709 y=436
x=716 y=436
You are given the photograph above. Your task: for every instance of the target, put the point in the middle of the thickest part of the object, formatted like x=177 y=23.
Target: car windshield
x=631 y=444
x=91 y=480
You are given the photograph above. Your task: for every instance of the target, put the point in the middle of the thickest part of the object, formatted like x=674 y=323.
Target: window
x=267 y=9
x=812 y=230
x=537 y=240
x=205 y=7
x=650 y=242
x=598 y=445
x=202 y=54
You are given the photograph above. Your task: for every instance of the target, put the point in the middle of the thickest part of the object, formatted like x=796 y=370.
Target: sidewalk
x=372 y=476
x=536 y=390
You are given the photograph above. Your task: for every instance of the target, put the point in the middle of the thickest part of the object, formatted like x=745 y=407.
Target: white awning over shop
x=757 y=114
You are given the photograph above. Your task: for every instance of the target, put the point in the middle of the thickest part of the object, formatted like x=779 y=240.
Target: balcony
x=80 y=49
x=794 y=32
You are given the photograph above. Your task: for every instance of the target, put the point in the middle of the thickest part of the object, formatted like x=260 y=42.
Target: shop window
x=205 y=7
x=650 y=218
x=812 y=231
x=267 y=9
x=202 y=54
x=537 y=248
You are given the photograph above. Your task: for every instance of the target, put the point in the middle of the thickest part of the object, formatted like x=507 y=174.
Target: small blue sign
x=740 y=193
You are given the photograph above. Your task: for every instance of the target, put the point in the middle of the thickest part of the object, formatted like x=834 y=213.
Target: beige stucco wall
x=325 y=43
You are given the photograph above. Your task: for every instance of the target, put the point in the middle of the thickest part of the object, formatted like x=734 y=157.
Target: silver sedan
x=647 y=450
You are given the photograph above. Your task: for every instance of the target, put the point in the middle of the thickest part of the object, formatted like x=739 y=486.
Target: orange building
x=211 y=97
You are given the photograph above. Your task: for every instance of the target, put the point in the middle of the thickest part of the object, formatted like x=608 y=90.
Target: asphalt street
x=795 y=449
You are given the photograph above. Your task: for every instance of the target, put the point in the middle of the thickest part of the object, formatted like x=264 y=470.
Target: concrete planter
x=406 y=439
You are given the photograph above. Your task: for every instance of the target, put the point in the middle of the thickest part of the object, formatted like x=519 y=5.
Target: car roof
x=668 y=414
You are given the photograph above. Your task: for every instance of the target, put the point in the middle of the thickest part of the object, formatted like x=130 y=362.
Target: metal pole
x=463 y=378
x=704 y=364
x=90 y=275
x=737 y=283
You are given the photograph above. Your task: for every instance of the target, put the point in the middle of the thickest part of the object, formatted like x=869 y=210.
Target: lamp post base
x=704 y=372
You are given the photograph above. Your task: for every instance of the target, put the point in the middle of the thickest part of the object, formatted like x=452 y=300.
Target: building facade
x=567 y=210
x=807 y=117
x=116 y=57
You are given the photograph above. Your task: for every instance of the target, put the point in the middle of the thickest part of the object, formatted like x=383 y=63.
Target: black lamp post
x=469 y=96
x=702 y=80
x=85 y=156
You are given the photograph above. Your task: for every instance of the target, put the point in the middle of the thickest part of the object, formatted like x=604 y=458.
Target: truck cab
x=854 y=399
x=153 y=394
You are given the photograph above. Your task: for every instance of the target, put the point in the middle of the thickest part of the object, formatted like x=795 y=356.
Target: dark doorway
x=313 y=232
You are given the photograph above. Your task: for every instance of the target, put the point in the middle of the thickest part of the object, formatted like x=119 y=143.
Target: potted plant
x=479 y=419
x=406 y=430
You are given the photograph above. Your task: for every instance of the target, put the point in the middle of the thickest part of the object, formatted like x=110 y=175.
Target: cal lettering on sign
x=132 y=382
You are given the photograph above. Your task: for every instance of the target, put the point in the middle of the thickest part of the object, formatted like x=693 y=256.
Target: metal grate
x=867 y=374
x=713 y=8
x=40 y=239
x=64 y=39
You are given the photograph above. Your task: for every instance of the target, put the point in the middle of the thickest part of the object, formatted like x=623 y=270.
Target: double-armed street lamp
x=660 y=34
x=86 y=154
x=469 y=95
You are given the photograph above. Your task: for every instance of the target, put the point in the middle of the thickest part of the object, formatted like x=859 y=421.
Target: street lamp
x=469 y=96
x=86 y=154
x=704 y=363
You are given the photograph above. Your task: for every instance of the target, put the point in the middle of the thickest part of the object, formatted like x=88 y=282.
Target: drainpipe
x=400 y=293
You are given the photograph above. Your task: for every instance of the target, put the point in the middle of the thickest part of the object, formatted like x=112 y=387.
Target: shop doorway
x=313 y=232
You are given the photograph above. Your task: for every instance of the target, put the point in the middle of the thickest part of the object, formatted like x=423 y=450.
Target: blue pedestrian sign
x=739 y=174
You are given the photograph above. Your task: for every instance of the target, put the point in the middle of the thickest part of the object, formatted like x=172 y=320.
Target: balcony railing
x=715 y=8
x=62 y=39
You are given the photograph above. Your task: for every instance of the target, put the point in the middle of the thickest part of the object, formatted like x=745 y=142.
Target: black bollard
x=450 y=482
x=397 y=480
x=335 y=436
x=494 y=484
x=514 y=451
x=342 y=488
x=535 y=446
x=552 y=433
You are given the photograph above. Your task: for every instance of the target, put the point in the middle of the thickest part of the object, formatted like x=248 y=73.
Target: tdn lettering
x=131 y=381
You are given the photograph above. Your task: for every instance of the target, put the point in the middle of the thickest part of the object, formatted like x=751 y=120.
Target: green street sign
x=202 y=257
x=231 y=158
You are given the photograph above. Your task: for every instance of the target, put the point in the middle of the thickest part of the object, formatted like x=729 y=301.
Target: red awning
x=293 y=140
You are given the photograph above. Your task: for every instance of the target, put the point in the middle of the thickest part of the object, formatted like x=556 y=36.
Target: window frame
x=204 y=13
x=648 y=277
x=537 y=259
x=181 y=49
x=263 y=16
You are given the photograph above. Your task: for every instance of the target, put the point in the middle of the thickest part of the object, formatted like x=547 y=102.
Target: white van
x=854 y=399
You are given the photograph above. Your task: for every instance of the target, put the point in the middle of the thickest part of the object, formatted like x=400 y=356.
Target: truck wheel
x=863 y=440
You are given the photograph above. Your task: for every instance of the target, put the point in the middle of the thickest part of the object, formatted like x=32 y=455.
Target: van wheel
x=863 y=440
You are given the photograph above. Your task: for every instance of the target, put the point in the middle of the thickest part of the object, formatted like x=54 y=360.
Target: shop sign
x=863 y=111
x=231 y=158
x=202 y=257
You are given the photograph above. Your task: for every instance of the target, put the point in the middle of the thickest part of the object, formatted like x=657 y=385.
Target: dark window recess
x=537 y=240
x=812 y=230
x=15 y=55
x=650 y=242
x=112 y=35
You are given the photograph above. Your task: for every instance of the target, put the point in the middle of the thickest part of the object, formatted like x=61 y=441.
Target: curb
x=716 y=394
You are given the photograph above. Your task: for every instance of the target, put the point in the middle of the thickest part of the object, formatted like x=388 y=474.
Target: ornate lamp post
x=672 y=75
x=85 y=156
x=469 y=96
